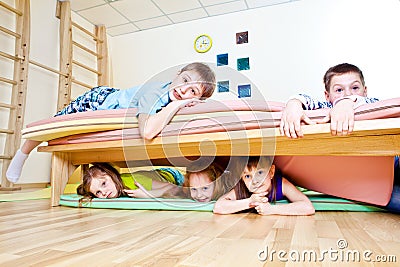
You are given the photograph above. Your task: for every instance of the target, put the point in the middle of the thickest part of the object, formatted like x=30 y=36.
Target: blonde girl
x=206 y=183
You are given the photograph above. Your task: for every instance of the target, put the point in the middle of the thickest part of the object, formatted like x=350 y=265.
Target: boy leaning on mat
x=345 y=90
x=156 y=105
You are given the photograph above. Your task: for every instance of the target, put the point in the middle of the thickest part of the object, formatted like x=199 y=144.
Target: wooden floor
x=34 y=234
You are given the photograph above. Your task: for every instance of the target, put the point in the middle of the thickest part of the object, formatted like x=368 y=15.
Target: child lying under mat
x=202 y=183
x=103 y=181
x=260 y=185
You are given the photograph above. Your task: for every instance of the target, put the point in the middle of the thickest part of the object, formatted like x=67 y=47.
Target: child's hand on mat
x=141 y=192
x=263 y=208
x=137 y=193
x=257 y=198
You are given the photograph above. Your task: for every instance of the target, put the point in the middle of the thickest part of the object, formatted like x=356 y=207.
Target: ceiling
x=127 y=16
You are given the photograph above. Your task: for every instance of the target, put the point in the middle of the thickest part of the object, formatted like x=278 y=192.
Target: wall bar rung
x=86 y=31
x=82 y=84
x=16 y=35
x=86 y=49
x=86 y=67
x=6 y=131
x=7 y=81
x=4 y=105
x=47 y=68
x=8 y=56
x=20 y=56
x=10 y=8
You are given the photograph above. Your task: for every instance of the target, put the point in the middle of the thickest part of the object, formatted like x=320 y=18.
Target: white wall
x=290 y=45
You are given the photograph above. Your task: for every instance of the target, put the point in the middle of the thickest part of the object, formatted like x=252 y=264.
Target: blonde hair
x=207 y=76
x=213 y=171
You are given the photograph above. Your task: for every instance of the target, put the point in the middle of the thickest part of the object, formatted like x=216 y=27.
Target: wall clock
x=202 y=43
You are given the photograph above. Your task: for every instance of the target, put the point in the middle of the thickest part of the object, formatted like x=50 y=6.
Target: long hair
x=95 y=171
x=241 y=190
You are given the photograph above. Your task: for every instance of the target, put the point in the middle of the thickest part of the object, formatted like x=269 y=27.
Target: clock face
x=202 y=43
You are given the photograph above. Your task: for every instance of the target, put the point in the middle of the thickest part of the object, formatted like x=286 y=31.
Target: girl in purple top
x=260 y=184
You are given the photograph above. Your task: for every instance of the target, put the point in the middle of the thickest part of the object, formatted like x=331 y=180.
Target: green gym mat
x=137 y=203
x=321 y=203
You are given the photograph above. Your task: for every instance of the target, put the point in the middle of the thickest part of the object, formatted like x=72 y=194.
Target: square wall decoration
x=222 y=59
x=243 y=63
x=223 y=86
x=242 y=37
x=244 y=90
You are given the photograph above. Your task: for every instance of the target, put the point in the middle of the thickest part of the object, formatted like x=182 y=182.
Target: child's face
x=103 y=187
x=345 y=85
x=257 y=180
x=186 y=85
x=201 y=187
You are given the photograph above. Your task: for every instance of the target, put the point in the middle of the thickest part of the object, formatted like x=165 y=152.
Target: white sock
x=15 y=168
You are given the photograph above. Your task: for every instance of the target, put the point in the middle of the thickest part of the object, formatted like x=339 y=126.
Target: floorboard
x=34 y=234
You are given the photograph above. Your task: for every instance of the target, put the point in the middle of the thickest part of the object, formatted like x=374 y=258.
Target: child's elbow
x=147 y=129
x=309 y=209
x=218 y=209
x=148 y=134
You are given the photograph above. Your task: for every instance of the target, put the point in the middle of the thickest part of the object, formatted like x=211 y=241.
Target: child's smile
x=186 y=86
x=176 y=95
x=201 y=187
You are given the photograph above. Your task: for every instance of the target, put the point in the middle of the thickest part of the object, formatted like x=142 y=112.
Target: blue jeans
x=394 y=203
x=396 y=170
x=90 y=100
